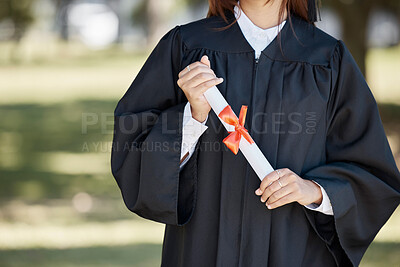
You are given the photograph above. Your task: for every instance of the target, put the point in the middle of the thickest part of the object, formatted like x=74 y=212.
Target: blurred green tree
x=152 y=15
x=196 y=2
x=354 y=15
x=62 y=17
x=20 y=13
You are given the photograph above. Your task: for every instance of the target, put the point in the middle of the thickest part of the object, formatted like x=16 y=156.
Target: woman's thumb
x=205 y=60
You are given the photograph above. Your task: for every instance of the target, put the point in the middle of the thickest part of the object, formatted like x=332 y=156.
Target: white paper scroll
x=251 y=152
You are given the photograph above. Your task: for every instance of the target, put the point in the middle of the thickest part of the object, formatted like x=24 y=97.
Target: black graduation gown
x=310 y=110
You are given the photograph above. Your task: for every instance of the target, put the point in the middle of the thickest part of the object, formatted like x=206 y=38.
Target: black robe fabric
x=310 y=110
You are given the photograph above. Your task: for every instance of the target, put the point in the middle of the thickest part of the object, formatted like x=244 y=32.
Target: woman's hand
x=283 y=186
x=194 y=81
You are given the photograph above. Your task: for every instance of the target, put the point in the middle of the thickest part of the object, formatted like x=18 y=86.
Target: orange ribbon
x=233 y=139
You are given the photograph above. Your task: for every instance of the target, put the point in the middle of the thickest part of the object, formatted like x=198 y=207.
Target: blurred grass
x=37 y=142
x=380 y=255
x=144 y=255
x=48 y=157
x=66 y=73
x=383 y=73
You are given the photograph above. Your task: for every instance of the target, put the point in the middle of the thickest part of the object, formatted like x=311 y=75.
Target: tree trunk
x=62 y=8
x=157 y=16
x=354 y=17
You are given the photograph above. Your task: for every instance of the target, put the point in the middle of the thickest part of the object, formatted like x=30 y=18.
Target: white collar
x=257 y=37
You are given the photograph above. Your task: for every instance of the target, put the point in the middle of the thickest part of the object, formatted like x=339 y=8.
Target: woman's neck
x=263 y=15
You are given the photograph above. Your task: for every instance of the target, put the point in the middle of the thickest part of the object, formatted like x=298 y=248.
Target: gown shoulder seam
x=188 y=49
x=298 y=61
x=181 y=37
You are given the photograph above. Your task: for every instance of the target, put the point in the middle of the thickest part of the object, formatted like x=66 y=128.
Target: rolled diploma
x=251 y=152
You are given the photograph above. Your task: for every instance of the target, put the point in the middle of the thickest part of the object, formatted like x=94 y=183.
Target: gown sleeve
x=360 y=175
x=145 y=158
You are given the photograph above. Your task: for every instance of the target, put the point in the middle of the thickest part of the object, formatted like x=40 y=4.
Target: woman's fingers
x=284 y=186
x=194 y=72
x=183 y=80
x=280 y=193
x=201 y=88
x=197 y=80
x=289 y=198
x=276 y=185
x=198 y=87
x=270 y=178
x=192 y=67
x=204 y=59
x=194 y=80
x=199 y=74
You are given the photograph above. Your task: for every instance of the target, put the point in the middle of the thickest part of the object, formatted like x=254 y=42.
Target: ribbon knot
x=233 y=139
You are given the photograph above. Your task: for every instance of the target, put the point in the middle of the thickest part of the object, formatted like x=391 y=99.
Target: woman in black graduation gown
x=212 y=214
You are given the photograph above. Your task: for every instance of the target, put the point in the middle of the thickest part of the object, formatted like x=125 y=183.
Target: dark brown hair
x=306 y=9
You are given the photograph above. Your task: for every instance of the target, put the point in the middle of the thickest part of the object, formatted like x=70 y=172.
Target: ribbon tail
x=242 y=115
x=247 y=136
x=232 y=141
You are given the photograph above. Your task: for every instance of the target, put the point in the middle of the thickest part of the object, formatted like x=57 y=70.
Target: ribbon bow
x=233 y=139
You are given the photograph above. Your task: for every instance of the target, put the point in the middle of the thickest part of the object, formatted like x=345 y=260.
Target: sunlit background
x=63 y=66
